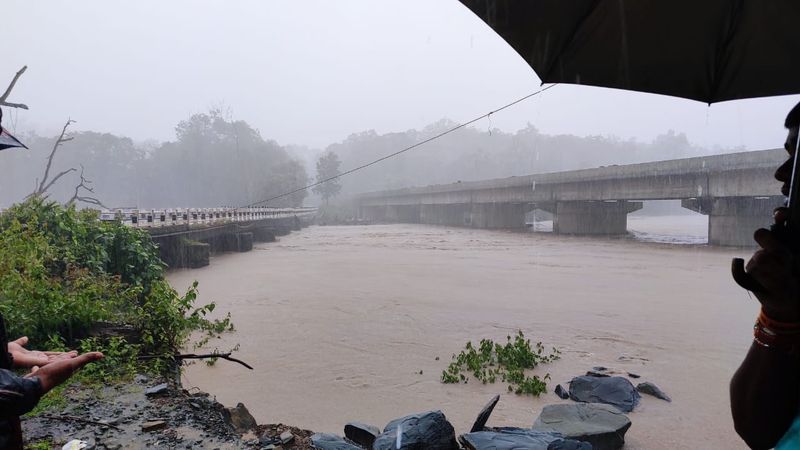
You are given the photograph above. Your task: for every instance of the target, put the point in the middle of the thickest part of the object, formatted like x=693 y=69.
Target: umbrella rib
x=548 y=70
x=720 y=60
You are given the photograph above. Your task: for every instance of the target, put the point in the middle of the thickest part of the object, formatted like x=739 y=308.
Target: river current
x=357 y=323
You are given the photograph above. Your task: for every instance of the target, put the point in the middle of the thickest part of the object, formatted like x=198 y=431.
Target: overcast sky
x=313 y=72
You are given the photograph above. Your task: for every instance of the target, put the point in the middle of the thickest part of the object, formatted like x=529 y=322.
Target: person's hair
x=793 y=118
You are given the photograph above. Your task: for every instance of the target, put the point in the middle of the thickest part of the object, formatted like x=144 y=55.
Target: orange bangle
x=776 y=326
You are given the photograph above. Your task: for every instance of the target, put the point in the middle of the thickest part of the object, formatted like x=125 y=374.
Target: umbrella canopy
x=6 y=139
x=709 y=50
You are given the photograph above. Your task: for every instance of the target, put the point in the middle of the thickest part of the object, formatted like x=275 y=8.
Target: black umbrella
x=706 y=50
x=6 y=139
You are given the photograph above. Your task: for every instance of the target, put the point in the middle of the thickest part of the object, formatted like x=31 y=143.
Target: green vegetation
x=508 y=362
x=64 y=273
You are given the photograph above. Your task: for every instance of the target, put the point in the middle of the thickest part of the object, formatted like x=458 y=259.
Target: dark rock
x=569 y=444
x=633 y=375
x=361 y=433
x=561 y=392
x=327 y=441
x=651 y=389
x=239 y=418
x=599 y=368
x=509 y=439
x=429 y=430
x=286 y=437
x=596 y=373
x=483 y=416
x=158 y=389
x=603 y=426
x=141 y=379
x=154 y=425
x=615 y=391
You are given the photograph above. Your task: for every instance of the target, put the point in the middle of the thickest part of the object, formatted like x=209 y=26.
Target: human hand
x=775 y=267
x=59 y=371
x=30 y=358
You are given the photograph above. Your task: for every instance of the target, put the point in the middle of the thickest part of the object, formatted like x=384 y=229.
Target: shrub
x=63 y=271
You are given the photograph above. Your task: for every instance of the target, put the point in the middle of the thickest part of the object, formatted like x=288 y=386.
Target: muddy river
x=357 y=323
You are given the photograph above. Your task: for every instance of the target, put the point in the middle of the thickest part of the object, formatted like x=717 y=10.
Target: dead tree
x=4 y=97
x=44 y=185
x=85 y=184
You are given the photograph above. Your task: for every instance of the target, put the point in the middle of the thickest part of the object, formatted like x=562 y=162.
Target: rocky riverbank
x=149 y=414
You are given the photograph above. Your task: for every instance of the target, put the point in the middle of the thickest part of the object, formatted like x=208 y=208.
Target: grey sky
x=312 y=72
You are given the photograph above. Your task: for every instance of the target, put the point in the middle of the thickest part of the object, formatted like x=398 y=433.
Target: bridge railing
x=147 y=218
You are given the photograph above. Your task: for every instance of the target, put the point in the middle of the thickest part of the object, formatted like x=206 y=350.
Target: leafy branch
x=509 y=361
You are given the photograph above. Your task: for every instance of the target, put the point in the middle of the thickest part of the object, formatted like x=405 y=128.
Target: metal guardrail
x=190 y=216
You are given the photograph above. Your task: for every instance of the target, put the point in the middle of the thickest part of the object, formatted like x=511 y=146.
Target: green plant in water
x=508 y=362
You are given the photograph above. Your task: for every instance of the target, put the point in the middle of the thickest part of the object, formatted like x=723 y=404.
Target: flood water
x=346 y=323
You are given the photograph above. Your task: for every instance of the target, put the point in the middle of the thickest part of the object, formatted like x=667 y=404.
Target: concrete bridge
x=737 y=191
x=188 y=237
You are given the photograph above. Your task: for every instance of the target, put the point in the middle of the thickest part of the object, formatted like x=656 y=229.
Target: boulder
x=327 y=441
x=569 y=444
x=156 y=390
x=616 y=391
x=483 y=416
x=361 y=433
x=509 y=439
x=651 y=389
x=429 y=430
x=561 y=392
x=240 y=419
x=603 y=426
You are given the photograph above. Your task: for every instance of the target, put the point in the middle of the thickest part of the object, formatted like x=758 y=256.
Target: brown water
x=340 y=321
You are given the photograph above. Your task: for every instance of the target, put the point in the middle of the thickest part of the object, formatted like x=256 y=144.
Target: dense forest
x=217 y=161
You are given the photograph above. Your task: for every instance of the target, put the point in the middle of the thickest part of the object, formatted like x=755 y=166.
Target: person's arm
x=18 y=395
x=765 y=390
x=764 y=395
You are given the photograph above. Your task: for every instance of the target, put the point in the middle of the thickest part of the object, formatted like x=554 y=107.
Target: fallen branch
x=226 y=356
x=65 y=417
x=5 y=95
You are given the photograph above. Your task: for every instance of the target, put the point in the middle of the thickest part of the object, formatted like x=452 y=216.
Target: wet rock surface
x=327 y=441
x=616 y=391
x=361 y=433
x=483 y=416
x=509 y=439
x=114 y=417
x=603 y=426
x=429 y=430
x=651 y=389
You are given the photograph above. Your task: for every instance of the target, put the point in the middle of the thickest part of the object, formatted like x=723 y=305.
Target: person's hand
x=30 y=358
x=57 y=372
x=775 y=267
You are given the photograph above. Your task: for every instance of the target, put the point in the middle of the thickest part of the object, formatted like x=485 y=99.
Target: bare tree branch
x=55 y=178
x=44 y=185
x=85 y=184
x=5 y=95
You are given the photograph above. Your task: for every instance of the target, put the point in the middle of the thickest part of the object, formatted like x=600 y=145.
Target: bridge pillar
x=593 y=217
x=498 y=215
x=733 y=220
x=454 y=215
x=403 y=213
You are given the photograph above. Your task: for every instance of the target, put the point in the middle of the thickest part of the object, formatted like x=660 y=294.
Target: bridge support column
x=454 y=215
x=498 y=215
x=593 y=217
x=733 y=220
x=403 y=213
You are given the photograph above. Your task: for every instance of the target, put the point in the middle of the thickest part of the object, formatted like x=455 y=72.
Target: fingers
x=769 y=242
x=22 y=342
x=781 y=215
